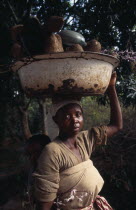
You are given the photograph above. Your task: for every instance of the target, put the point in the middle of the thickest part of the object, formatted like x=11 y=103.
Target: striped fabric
x=100 y=203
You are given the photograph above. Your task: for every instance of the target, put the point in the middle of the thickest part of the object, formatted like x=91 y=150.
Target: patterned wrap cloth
x=100 y=203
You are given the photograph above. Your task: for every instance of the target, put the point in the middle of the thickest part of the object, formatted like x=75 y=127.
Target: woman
x=65 y=174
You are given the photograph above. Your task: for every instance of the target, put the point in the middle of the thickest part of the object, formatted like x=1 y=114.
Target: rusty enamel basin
x=67 y=73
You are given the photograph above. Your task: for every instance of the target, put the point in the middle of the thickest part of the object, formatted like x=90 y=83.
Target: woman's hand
x=16 y=50
x=113 y=79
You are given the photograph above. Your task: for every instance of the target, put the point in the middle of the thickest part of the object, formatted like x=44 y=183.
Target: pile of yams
x=33 y=38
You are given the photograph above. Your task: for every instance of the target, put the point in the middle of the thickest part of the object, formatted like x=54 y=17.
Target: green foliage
x=116 y=163
x=35 y=117
x=94 y=113
x=112 y=22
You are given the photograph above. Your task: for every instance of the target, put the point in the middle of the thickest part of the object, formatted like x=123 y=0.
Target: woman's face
x=69 y=119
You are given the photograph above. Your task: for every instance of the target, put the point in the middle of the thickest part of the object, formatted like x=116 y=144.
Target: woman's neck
x=68 y=139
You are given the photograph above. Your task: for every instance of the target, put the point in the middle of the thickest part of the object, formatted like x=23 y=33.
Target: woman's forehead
x=70 y=108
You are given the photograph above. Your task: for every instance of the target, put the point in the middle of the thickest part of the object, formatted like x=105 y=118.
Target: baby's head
x=35 y=145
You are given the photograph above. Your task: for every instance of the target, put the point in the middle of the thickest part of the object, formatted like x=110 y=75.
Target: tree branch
x=12 y=11
x=42 y=105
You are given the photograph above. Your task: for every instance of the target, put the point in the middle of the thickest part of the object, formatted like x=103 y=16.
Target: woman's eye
x=78 y=114
x=67 y=117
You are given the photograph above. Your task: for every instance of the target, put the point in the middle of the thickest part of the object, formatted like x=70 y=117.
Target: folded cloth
x=56 y=106
x=79 y=186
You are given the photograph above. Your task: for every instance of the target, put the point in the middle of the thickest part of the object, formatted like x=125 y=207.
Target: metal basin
x=67 y=73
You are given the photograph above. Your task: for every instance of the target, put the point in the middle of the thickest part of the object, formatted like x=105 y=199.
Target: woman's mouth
x=76 y=126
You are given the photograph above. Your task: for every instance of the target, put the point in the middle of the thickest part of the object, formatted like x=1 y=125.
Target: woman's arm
x=16 y=31
x=16 y=49
x=116 y=122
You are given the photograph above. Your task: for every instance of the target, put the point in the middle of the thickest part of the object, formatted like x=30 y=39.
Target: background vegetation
x=113 y=24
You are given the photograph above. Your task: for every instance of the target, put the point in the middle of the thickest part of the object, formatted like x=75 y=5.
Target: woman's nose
x=75 y=119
